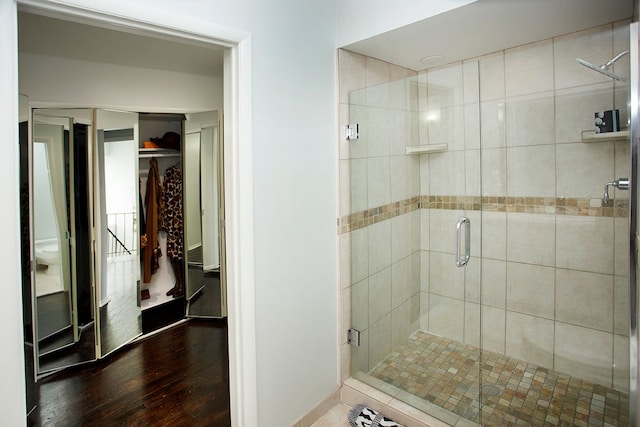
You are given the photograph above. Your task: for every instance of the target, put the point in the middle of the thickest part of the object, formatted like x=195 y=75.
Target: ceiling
x=479 y=28
x=488 y=26
x=48 y=36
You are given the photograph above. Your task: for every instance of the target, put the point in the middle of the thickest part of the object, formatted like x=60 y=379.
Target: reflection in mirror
x=117 y=221
x=203 y=236
x=52 y=273
x=62 y=279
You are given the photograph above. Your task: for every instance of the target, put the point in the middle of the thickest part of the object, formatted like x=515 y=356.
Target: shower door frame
x=633 y=219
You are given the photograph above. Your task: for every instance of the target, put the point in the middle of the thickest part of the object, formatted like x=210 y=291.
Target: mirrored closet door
x=126 y=228
x=204 y=214
x=61 y=248
x=30 y=353
x=117 y=225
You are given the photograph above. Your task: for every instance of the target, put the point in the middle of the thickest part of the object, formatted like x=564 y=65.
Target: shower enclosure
x=489 y=278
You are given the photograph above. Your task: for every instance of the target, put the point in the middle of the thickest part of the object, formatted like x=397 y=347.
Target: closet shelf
x=157 y=152
x=426 y=149
x=592 y=136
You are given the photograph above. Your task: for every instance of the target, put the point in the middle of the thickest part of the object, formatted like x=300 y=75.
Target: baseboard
x=320 y=409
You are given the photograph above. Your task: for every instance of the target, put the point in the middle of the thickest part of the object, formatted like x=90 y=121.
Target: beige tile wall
x=553 y=268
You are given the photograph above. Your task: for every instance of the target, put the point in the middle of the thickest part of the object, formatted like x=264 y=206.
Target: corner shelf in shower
x=426 y=149
x=592 y=136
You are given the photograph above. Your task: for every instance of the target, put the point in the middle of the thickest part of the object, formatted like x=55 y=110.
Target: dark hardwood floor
x=206 y=303
x=57 y=357
x=120 y=318
x=55 y=345
x=54 y=313
x=177 y=377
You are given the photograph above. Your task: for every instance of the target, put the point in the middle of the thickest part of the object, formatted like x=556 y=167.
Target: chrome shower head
x=604 y=68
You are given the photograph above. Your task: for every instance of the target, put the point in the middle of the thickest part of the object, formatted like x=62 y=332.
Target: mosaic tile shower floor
x=514 y=393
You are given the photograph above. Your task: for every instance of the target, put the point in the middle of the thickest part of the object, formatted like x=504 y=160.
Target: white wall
x=12 y=387
x=120 y=176
x=45 y=79
x=295 y=174
x=294 y=179
x=361 y=19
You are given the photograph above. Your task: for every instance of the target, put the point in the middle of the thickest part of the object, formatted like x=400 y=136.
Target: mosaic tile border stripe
x=372 y=216
x=537 y=205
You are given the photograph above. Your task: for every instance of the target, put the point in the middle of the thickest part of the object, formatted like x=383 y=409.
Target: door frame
x=238 y=174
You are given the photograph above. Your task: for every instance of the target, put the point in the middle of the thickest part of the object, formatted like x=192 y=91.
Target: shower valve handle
x=620 y=184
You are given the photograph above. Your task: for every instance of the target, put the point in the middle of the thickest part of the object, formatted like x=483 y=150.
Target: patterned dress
x=172 y=214
x=172 y=223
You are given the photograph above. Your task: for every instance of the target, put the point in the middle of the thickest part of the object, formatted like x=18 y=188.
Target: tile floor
x=335 y=417
x=445 y=372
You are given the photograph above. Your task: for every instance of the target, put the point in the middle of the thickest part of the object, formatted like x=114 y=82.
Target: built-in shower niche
x=543 y=303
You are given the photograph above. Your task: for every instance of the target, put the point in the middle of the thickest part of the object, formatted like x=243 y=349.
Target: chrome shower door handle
x=462 y=261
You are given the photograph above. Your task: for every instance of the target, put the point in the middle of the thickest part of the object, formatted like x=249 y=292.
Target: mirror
x=25 y=255
x=203 y=215
x=63 y=304
x=117 y=222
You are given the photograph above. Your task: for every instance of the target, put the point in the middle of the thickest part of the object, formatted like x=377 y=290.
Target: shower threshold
x=441 y=377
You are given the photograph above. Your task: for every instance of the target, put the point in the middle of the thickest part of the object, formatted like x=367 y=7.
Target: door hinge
x=353 y=337
x=352 y=131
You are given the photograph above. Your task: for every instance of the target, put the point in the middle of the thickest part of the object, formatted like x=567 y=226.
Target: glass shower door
x=451 y=184
x=414 y=226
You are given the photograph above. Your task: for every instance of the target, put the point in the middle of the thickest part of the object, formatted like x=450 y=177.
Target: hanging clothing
x=154 y=211
x=172 y=223
x=143 y=224
x=172 y=215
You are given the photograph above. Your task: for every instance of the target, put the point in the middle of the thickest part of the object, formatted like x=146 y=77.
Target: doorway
x=231 y=65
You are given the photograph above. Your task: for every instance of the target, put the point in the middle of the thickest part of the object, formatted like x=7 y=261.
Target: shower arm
x=604 y=68
x=610 y=62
